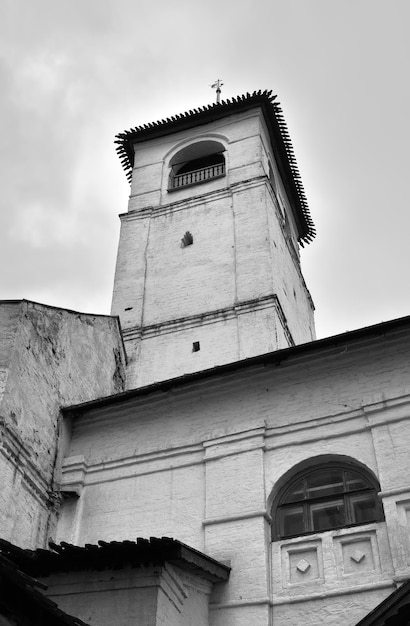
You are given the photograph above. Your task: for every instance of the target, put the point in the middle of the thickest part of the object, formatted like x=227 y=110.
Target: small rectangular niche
x=196 y=346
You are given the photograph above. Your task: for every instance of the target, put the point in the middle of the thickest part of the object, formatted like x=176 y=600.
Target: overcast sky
x=74 y=73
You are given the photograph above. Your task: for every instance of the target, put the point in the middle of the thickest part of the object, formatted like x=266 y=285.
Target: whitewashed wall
x=168 y=296
x=200 y=461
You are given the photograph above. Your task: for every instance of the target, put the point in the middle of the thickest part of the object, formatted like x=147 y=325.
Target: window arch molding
x=326 y=492
x=196 y=161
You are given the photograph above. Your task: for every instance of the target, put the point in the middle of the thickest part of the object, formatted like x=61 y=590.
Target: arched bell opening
x=197 y=163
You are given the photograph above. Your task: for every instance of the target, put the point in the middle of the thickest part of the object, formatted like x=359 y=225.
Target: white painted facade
x=201 y=461
x=238 y=290
x=202 y=458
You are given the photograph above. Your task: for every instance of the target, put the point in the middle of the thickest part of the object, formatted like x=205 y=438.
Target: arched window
x=197 y=163
x=325 y=497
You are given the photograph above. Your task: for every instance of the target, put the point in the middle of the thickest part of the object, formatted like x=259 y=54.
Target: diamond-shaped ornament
x=357 y=556
x=303 y=566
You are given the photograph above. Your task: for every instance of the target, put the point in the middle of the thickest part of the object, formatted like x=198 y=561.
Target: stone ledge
x=387 y=584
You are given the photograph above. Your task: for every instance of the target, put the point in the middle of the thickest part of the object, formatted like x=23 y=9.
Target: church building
x=198 y=457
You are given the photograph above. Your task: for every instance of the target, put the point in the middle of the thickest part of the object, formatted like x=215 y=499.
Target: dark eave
x=21 y=599
x=270 y=358
x=114 y=555
x=280 y=140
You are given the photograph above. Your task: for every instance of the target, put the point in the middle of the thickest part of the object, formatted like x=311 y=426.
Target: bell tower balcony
x=197 y=171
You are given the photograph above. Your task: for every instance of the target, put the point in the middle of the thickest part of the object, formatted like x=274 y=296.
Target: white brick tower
x=208 y=268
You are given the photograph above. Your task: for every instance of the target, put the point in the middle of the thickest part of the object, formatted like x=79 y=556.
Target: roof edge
x=275 y=357
x=279 y=135
x=56 y=308
x=388 y=608
x=65 y=557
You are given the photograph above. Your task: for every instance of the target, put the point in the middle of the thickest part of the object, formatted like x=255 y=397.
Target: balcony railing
x=197 y=176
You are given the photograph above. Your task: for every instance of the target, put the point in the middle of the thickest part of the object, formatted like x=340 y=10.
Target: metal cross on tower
x=217 y=85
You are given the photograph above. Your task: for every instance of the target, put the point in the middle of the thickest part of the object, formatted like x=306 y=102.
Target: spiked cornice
x=278 y=132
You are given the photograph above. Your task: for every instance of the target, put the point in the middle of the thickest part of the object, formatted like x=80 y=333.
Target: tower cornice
x=277 y=130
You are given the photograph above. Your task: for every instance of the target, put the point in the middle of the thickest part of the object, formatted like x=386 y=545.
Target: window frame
x=309 y=504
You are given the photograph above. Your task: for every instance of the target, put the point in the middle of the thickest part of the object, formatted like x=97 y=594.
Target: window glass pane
x=327 y=498
x=326 y=515
x=324 y=483
x=296 y=493
x=364 y=508
x=291 y=521
x=354 y=482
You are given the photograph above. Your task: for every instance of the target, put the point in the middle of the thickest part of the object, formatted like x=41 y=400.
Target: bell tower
x=208 y=269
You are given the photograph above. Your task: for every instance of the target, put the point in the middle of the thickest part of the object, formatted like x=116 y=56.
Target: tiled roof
x=114 y=555
x=279 y=135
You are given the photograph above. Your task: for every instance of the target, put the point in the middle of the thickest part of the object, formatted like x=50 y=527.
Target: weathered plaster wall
x=200 y=462
x=346 y=609
x=9 y=318
x=244 y=251
x=106 y=598
x=192 y=606
x=147 y=596
x=54 y=357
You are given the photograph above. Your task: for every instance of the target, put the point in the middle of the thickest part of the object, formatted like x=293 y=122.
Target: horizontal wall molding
x=278 y=437
x=235 y=437
x=212 y=521
x=402 y=578
x=122 y=469
x=303 y=433
x=240 y=604
x=226 y=453
x=388 y=584
x=78 y=470
x=345 y=591
x=211 y=317
x=316 y=422
x=16 y=453
x=395 y=492
x=191 y=202
x=318 y=437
